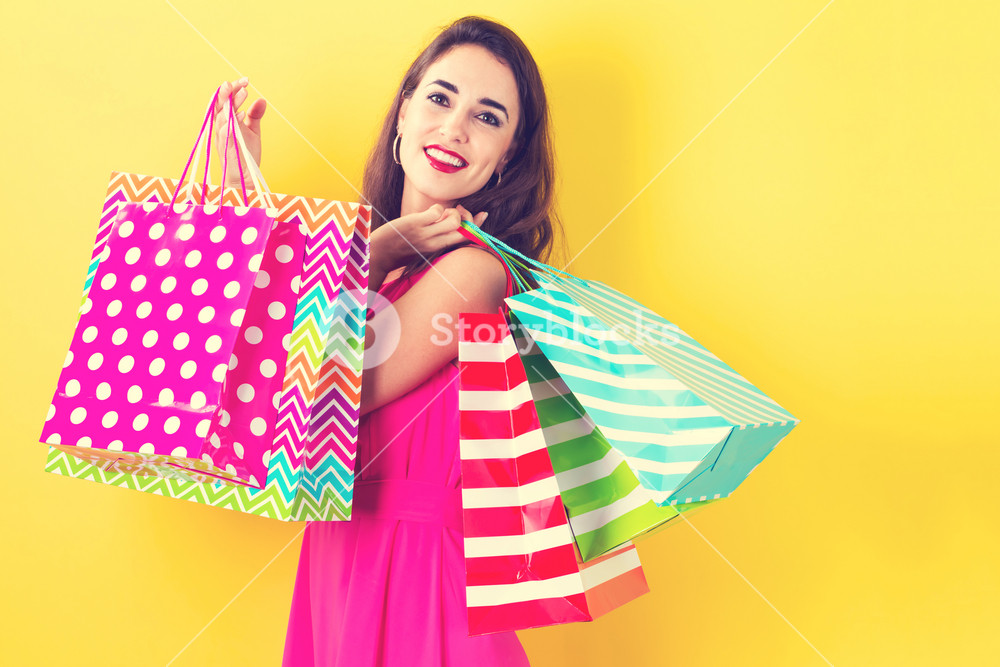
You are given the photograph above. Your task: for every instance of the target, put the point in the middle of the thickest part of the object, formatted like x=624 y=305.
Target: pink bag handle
x=232 y=133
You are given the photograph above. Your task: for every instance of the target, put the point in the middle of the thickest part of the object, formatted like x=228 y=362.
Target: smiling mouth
x=443 y=161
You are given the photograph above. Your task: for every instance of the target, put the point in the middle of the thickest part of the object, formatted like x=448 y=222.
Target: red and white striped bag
x=523 y=569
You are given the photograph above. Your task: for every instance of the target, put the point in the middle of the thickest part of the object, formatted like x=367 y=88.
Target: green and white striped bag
x=673 y=425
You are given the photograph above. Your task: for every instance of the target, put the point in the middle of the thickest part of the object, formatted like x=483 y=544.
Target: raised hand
x=247 y=122
x=398 y=241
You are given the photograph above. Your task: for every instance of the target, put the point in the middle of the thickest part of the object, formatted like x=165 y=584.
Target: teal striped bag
x=641 y=421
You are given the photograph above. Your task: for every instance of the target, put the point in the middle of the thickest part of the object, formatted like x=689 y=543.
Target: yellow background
x=832 y=235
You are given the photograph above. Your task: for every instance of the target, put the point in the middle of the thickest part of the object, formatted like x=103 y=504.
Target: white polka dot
x=209 y=209
x=119 y=336
x=53 y=439
x=114 y=308
x=110 y=419
x=230 y=468
x=87 y=305
x=284 y=254
x=207 y=458
x=199 y=287
x=150 y=206
x=201 y=430
x=95 y=361
x=108 y=281
x=245 y=393
x=126 y=363
x=156 y=366
x=232 y=289
x=166 y=397
x=175 y=311
x=132 y=256
x=69 y=359
x=149 y=338
x=138 y=282
x=156 y=230
x=116 y=446
x=179 y=451
x=144 y=309
x=147 y=447
x=72 y=387
x=89 y=334
x=236 y=319
x=225 y=260
x=268 y=368
x=219 y=373
x=238 y=448
x=218 y=234
x=254 y=263
x=188 y=369
x=286 y=341
x=295 y=285
x=181 y=341
x=105 y=253
x=266 y=458
x=84 y=442
x=185 y=232
x=171 y=425
x=134 y=394
x=276 y=310
x=233 y=361
x=215 y=440
x=224 y=418
x=192 y=259
x=78 y=415
x=213 y=344
x=51 y=413
x=206 y=314
x=253 y=335
x=140 y=422
x=125 y=229
x=168 y=284
x=198 y=400
x=276 y=399
x=258 y=426
x=262 y=280
x=162 y=257
x=103 y=391
x=249 y=235
x=253 y=481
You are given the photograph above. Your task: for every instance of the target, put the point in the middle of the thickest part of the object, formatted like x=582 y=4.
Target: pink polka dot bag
x=183 y=360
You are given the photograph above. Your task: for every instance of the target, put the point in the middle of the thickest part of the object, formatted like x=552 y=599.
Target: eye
x=490 y=118
x=438 y=98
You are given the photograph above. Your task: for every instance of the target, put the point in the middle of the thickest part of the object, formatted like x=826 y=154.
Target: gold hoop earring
x=499 y=175
x=395 y=148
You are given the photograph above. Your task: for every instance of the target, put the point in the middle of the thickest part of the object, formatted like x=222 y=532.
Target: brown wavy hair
x=521 y=207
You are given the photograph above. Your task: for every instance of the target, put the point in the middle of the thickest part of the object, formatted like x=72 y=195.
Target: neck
x=414 y=201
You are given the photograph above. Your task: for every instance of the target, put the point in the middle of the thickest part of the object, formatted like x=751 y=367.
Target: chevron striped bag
x=522 y=569
x=650 y=423
x=310 y=464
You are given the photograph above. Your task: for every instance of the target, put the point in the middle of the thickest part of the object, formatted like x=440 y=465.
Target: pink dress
x=387 y=588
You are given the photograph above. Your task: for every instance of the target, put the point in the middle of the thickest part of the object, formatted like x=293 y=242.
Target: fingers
x=254 y=114
x=235 y=88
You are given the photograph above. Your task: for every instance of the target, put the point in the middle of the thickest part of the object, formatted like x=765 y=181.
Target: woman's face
x=458 y=127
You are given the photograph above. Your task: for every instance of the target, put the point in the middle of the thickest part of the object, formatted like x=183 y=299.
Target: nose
x=453 y=128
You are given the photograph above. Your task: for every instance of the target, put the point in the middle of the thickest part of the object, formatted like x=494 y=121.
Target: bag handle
x=511 y=256
x=512 y=273
x=203 y=145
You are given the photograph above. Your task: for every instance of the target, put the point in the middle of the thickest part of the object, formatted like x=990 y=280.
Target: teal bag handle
x=511 y=256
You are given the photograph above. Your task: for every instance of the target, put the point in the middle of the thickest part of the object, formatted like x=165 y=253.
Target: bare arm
x=428 y=315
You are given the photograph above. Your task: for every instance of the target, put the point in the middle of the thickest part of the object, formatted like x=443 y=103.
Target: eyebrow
x=483 y=100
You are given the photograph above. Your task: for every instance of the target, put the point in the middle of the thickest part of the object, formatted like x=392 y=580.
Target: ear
x=508 y=155
x=402 y=114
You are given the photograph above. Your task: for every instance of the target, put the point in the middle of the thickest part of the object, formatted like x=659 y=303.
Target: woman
x=467 y=131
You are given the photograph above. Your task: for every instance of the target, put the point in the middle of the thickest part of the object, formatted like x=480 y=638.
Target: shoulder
x=472 y=263
x=471 y=277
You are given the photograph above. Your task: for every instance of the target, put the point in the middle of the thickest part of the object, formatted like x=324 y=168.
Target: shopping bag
x=176 y=292
x=669 y=426
x=522 y=567
x=310 y=462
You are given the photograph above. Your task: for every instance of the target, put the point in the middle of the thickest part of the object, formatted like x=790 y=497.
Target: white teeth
x=441 y=156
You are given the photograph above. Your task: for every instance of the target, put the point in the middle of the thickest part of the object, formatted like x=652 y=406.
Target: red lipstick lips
x=446 y=167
